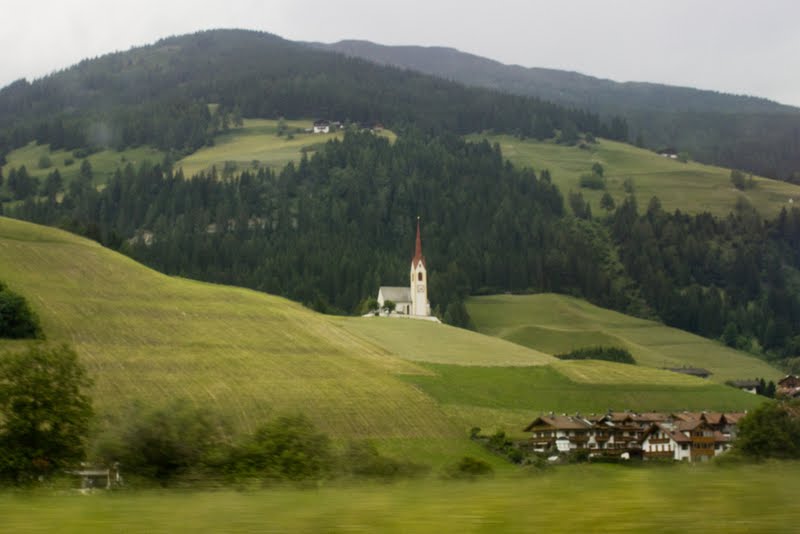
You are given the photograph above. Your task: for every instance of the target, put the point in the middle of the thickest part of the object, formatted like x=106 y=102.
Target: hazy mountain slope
x=561 y=86
x=730 y=130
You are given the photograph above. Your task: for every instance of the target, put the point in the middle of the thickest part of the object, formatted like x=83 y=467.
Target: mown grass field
x=414 y=387
x=423 y=341
x=691 y=187
x=508 y=398
x=497 y=387
x=103 y=163
x=594 y=498
x=258 y=145
x=148 y=337
x=557 y=323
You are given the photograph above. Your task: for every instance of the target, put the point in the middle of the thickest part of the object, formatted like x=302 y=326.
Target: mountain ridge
x=446 y=58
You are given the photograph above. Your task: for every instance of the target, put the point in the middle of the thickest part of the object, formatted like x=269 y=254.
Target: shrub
x=469 y=468
x=629 y=186
x=45 y=162
x=742 y=182
x=363 y=459
x=17 y=320
x=164 y=443
x=45 y=412
x=609 y=354
x=771 y=431
x=593 y=181
x=287 y=448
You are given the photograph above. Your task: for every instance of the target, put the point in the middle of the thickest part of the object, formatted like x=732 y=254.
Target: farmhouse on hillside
x=788 y=386
x=410 y=301
x=322 y=126
x=750 y=386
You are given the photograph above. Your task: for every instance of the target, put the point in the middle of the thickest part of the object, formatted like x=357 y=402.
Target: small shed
x=99 y=477
x=322 y=126
x=750 y=386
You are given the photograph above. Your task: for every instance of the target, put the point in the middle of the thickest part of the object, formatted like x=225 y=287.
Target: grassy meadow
x=104 y=163
x=257 y=145
x=557 y=323
x=686 y=498
x=691 y=187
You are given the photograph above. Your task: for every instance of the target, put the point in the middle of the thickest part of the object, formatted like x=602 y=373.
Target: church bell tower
x=419 y=281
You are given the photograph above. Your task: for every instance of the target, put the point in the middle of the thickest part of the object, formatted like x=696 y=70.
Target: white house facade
x=401 y=296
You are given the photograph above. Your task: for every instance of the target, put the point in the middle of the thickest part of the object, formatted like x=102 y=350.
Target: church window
x=419 y=276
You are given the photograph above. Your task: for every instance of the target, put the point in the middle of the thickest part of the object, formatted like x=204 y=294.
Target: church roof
x=418 y=257
x=395 y=294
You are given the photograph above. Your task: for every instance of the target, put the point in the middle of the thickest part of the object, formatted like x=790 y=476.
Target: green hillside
x=104 y=163
x=557 y=323
x=691 y=187
x=254 y=145
x=145 y=336
x=416 y=387
x=257 y=145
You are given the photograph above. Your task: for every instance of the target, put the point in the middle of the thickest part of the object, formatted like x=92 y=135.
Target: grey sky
x=736 y=46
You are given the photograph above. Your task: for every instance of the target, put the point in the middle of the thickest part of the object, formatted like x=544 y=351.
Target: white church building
x=411 y=301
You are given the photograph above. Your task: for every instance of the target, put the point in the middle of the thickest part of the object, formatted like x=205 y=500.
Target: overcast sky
x=744 y=47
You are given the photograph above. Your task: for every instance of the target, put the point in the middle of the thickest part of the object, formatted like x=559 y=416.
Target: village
x=680 y=436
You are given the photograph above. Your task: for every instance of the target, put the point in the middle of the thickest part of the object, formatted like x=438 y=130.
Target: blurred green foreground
x=597 y=498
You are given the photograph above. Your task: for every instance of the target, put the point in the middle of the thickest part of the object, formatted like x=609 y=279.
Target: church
x=411 y=301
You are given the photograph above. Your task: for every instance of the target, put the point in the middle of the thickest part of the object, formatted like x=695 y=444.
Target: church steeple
x=419 y=281
x=418 y=257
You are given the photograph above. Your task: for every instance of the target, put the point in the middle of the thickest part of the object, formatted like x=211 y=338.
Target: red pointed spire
x=418 y=257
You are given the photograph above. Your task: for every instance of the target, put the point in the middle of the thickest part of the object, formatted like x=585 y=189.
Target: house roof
x=395 y=294
x=629 y=417
x=714 y=418
x=734 y=417
x=691 y=424
x=561 y=422
x=719 y=437
x=789 y=382
x=678 y=437
x=651 y=417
